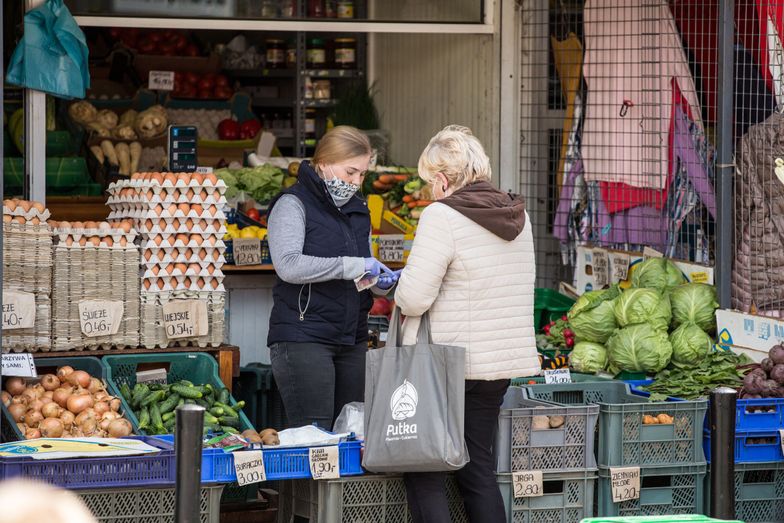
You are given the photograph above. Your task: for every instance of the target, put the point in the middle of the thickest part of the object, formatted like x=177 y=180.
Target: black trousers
x=317 y=380
x=426 y=492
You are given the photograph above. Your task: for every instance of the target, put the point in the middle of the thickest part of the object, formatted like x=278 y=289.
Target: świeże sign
x=100 y=318
x=18 y=310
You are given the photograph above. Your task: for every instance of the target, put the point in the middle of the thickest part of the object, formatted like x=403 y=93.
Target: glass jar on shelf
x=315 y=8
x=330 y=9
x=288 y=8
x=346 y=53
x=317 y=54
x=310 y=127
x=308 y=88
x=322 y=89
x=345 y=9
x=269 y=8
x=291 y=55
x=276 y=53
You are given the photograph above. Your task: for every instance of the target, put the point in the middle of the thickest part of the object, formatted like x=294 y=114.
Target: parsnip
x=108 y=150
x=98 y=153
x=136 y=155
x=124 y=156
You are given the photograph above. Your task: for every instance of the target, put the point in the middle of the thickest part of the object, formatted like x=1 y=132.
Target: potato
x=649 y=420
x=664 y=419
x=251 y=435
x=540 y=423
x=557 y=421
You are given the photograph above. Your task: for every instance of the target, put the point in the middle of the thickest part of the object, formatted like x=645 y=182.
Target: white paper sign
x=204 y=170
x=100 y=318
x=781 y=439
x=185 y=319
x=391 y=248
x=21 y=365
x=18 y=310
x=527 y=484
x=649 y=252
x=247 y=251
x=601 y=268
x=161 y=80
x=556 y=376
x=619 y=263
x=324 y=462
x=625 y=483
x=249 y=467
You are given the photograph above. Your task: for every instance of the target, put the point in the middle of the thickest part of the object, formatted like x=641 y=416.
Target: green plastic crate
x=759 y=492
x=60 y=143
x=690 y=518
x=196 y=367
x=148 y=505
x=264 y=405
x=567 y=498
x=576 y=378
x=549 y=305
x=63 y=175
x=623 y=438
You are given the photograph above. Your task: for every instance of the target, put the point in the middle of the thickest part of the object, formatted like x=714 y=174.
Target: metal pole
x=725 y=148
x=35 y=137
x=722 y=473
x=187 y=445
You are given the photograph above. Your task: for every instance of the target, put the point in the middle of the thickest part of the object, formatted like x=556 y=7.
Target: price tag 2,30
x=247 y=251
x=249 y=467
x=625 y=483
x=556 y=376
x=185 y=319
x=527 y=484
x=18 y=310
x=324 y=462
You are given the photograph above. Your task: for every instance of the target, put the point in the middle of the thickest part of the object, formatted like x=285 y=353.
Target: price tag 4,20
x=527 y=484
x=625 y=483
x=552 y=377
x=249 y=467
x=324 y=462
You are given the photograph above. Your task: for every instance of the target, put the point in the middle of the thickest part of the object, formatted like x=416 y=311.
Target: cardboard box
x=748 y=333
x=398 y=223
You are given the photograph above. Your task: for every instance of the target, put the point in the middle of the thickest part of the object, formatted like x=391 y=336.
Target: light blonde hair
x=457 y=154
x=339 y=144
x=25 y=501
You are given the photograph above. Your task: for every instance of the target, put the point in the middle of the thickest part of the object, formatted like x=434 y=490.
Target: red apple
x=229 y=129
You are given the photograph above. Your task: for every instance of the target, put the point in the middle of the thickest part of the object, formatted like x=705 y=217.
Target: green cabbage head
x=694 y=303
x=657 y=273
x=592 y=317
x=690 y=344
x=588 y=357
x=643 y=306
x=639 y=348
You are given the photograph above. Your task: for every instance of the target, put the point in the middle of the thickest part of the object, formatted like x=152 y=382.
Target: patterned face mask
x=340 y=191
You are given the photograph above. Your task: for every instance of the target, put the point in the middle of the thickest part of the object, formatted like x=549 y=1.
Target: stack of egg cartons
x=181 y=222
x=95 y=261
x=27 y=268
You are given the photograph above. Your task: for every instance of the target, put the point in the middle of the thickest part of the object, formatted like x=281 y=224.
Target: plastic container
x=759 y=492
x=568 y=497
x=148 y=505
x=759 y=414
x=519 y=447
x=624 y=440
x=751 y=447
x=263 y=404
x=119 y=471
x=691 y=518
x=576 y=378
x=549 y=305
x=663 y=490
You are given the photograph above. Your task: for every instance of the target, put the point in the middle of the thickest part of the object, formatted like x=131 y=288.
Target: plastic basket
x=663 y=491
x=759 y=492
x=276 y=412
x=256 y=387
x=576 y=378
x=623 y=438
x=751 y=447
x=549 y=305
x=567 y=498
x=519 y=447
x=692 y=518
x=198 y=368
x=148 y=505
x=123 y=471
x=759 y=414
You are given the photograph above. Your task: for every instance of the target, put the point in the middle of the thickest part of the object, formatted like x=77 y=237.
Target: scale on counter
x=182 y=148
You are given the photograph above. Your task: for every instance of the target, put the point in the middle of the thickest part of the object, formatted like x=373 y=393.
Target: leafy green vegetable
x=657 y=273
x=694 y=303
x=588 y=357
x=261 y=183
x=592 y=317
x=690 y=344
x=695 y=380
x=232 y=184
x=639 y=348
x=643 y=306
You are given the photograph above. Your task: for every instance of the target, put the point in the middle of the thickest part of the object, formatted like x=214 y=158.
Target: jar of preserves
x=322 y=89
x=346 y=53
x=317 y=53
x=316 y=8
x=291 y=55
x=288 y=8
x=276 y=53
x=330 y=9
x=345 y=8
x=308 y=88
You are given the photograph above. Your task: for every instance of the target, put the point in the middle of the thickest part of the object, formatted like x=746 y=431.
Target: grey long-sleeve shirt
x=286 y=237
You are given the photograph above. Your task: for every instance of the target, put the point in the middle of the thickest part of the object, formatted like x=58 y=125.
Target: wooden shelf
x=228 y=269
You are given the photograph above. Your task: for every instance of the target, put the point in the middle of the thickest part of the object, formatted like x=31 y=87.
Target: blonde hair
x=25 y=501
x=341 y=143
x=457 y=154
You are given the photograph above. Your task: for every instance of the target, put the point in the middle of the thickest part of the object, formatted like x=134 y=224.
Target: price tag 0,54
x=324 y=462
x=249 y=467
x=625 y=483
x=527 y=484
x=556 y=376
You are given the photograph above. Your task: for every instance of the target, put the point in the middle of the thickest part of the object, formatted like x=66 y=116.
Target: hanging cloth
x=568 y=56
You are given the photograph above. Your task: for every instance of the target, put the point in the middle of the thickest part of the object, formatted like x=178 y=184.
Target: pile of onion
x=69 y=404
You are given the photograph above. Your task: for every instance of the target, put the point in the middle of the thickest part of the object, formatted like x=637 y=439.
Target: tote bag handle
x=395 y=334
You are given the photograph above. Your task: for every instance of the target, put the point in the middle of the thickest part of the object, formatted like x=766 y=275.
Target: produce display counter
x=267 y=267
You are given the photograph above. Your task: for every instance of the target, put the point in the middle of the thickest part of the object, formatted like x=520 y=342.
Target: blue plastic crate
x=751 y=447
x=762 y=414
x=119 y=471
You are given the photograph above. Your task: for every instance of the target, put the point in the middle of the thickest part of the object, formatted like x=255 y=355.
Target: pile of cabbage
x=660 y=319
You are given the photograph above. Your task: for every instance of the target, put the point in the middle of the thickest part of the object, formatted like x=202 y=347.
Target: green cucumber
x=155 y=417
x=125 y=390
x=139 y=393
x=230 y=421
x=144 y=418
x=187 y=392
x=217 y=411
x=170 y=403
x=228 y=411
x=166 y=417
x=223 y=396
x=229 y=430
x=209 y=419
x=153 y=397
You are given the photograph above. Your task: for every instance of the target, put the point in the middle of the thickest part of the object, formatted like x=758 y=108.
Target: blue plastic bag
x=52 y=56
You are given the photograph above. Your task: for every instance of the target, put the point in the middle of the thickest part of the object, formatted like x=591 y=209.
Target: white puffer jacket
x=479 y=290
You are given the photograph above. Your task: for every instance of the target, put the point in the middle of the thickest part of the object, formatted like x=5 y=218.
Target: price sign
x=204 y=170
x=324 y=462
x=651 y=253
x=557 y=376
x=21 y=365
x=247 y=251
x=18 y=310
x=625 y=483
x=249 y=467
x=100 y=318
x=619 y=262
x=391 y=248
x=601 y=268
x=161 y=80
x=185 y=319
x=527 y=484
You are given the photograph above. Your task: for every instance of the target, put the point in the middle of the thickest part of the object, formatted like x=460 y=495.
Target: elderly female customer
x=471 y=268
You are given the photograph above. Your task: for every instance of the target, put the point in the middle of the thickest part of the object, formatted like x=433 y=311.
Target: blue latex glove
x=387 y=281
x=374 y=268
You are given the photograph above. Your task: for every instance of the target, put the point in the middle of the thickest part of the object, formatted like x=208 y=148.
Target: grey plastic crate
x=150 y=505
x=567 y=498
x=519 y=447
x=759 y=492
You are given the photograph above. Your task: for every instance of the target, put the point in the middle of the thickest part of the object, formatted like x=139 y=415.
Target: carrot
x=401 y=177
x=422 y=203
x=380 y=186
x=387 y=179
x=408 y=198
x=411 y=204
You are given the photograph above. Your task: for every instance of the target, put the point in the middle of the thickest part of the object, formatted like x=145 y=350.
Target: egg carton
x=196 y=269
x=164 y=212
x=150 y=198
x=153 y=334
x=76 y=234
x=38 y=338
x=207 y=241
x=168 y=255
x=28 y=215
x=169 y=182
x=206 y=228
x=158 y=284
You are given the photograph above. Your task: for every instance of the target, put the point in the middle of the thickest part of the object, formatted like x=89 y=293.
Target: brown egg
x=202 y=254
x=214 y=284
x=194 y=267
x=216 y=194
x=173 y=283
x=187 y=283
x=158 y=240
x=38 y=206
x=162 y=224
x=176 y=223
x=200 y=283
x=183 y=238
x=161 y=284
x=172 y=209
x=7 y=218
x=69 y=241
x=169 y=269
x=82 y=241
x=184 y=207
x=155 y=269
x=90 y=225
x=216 y=255
x=104 y=226
x=170 y=177
x=190 y=194
x=148 y=224
x=77 y=225
x=109 y=241
x=189 y=224
x=10 y=204
x=95 y=241
x=20 y=219
x=25 y=205
x=198 y=178
x=123 y=242
x=210 y=269
x=147 y=284
x=172 y=240
x=183 y=177
x=212 y=240
x=211 y=178
x=203 y=195
x=175 y=253
x=149 y=194
x=197 y=238
x=188 y=254
x=198 y=208
x=35 y=221
x=181 y=267
x=147 y=254
x=157 y=178
x=137 y=176
x=213 y=210
x=176 y=194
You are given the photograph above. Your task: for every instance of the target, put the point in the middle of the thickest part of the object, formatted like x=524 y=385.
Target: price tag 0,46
x=324 y=462
x=527 y=484
x=552 y=377
x=625 y=483
x=249 y=467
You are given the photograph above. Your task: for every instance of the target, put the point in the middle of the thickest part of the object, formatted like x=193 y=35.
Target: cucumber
x=169 y=404
x=139 y=393
x=230 y=421
x=153 y=397
x=223 y=396
x=229 y=430
x=217 y=411
x=185 y=383
x=239 y=405
x=144 y=418
x=181 y=402
x=209 y=419
x=190 y=402
x=166 y=417
x=168 y=425
x=228 y=411
x=125 y=390
x=187 y=392
x=155 y=418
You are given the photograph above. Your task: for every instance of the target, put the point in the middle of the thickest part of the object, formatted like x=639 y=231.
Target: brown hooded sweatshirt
x=500 y=213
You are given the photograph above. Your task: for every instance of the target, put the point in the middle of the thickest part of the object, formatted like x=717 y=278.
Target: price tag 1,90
x=18 y=310
x=527 y=484
x=185 y=319
x=324 y=462
x=249 y=467
x=247 y=251
x=552 y=377
x=100 y=318
x=625 y=483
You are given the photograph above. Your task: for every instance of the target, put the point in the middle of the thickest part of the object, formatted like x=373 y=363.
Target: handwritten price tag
x=620 y=266
x=18 y=310
x=527 y=484
x=391 y=248
x=100 y=318
x=601 y=268
x=161 y=80
x=324 y=462
x=557 y=376
x=185 y=319
x=249 y=467
x=625 y=483
x=21 y=365
x=247 y=251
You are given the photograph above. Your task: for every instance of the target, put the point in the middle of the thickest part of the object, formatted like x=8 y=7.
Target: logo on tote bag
x=403 y=405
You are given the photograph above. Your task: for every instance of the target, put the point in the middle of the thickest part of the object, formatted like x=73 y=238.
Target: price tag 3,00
x=625 y=483
x=249 y=467
x=324 y=462
x=527 y=484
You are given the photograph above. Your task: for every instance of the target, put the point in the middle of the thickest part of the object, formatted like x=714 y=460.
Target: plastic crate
x=691 y=518
x=263 y=404
x=518 y=446
x=759 y=492
x=747 y=450
x=148 y=505
x=663 y=491
x=196 y=367
x=623 y=438
x=576 y=378
x=549 y=305
x=123 y=471
x=567 y=498
x=276 y=412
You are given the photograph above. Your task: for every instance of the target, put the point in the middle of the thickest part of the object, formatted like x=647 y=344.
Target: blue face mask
x=340 y=191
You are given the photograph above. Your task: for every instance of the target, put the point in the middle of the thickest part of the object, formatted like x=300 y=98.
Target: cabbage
x=657 y=273
x=592 y=317
x=639 y=348
x=694 y=303
x=588 y=357
x=643 y=306
x=690 y=344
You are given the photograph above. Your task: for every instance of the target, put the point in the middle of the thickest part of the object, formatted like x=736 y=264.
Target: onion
x=51 y=428
x=48 y=394
x=89 y=413
x=104 y=424
x=95 y=386
x=30 y=395
x=51 y=410
x=39 y=390
x=32 y=418
x=101 y=396
x=46 y=400
x=32 y=434
x=15 y=386
x=17 y=411
x=120 y=428
x=50 y=382
x=22 y=400
x=79 y=377
x=6 y=398
x=79 y=403
x=36 y=405
x=115 y=404
x=67 y=417
x=101 y=408
x=88 y=426
x=112 y=415
x=64 y=371
x=61 y=395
